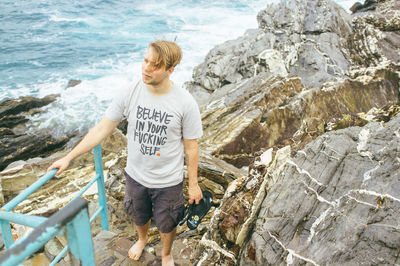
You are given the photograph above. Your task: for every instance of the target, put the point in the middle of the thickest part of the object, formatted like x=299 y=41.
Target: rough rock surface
x=15 y=143
x=303 y=38
x=321 y=200
x=267 y=111
x=376 y=36
x=264 y=109
x=369 y=5
x=336 y=201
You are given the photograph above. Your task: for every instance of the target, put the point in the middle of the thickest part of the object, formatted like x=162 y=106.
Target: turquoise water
x=45 y=43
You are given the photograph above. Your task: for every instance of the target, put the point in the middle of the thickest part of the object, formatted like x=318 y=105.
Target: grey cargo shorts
x=166 y=205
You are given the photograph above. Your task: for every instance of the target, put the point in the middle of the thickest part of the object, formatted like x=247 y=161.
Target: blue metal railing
x=6 y=216
x=74 y=218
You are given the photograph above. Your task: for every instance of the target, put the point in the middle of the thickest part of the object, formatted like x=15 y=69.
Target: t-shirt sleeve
x=191 y=125
x=116 y=109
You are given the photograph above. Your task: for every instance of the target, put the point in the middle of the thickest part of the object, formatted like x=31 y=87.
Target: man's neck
x=160 y=89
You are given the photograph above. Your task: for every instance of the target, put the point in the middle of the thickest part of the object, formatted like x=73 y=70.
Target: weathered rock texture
x=336 y=202
x=376 y=36
x=15 y=143
x=277 y=112
x=319 y=195
x=304 y=38
x=265 y=107
x=369 y=5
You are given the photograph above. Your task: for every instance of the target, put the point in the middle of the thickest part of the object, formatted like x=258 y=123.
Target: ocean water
x=46 y=43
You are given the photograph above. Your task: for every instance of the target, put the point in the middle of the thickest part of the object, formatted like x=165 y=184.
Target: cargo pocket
x=128 y=206
x=177 y=212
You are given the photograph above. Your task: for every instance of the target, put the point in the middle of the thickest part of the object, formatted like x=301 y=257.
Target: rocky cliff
x=295 y=100
x=300 y=146
x=335 y=202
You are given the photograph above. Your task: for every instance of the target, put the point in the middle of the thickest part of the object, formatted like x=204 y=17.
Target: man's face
x=150 y=74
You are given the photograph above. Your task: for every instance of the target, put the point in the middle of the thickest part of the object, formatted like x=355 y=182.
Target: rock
x=102 y=244
x=123 y=126
x=111 y=249
x=115 y=183
x=53 y=248
x=1 y=242
x=303 y=38
x=37 y=259
x=356 y=187
x=376 y=36
x=278 y=112
x=73 y=83
x=218 y=171
x=6 y=132
x=20 y=147
x=344 y=211
x=381 y=115
x=10 y=121
x=81 y=170
x=270 y=109
x=355 y=7
x=231 y=223
x=263 y=109
x=24 y=104
x=15 y=143
x=369 y=5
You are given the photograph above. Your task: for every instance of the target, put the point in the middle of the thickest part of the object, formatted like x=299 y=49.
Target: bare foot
x=168 y=260
x=136 y=250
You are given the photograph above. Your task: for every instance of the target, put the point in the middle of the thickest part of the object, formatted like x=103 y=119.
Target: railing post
x=80 y=238
x=74 y=217
x=5 y=225
x=98 y=162
x=6 y=233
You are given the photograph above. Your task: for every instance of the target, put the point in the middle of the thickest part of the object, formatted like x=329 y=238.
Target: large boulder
x=338 y=200
x=267 y=111
x=303 y=38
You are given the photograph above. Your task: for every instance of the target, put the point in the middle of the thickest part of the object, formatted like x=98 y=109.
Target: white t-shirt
x=157 y=126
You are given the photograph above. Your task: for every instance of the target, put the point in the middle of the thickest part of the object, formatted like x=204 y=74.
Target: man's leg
x=167 y=240
x=138 y=205
x=136 y=250
x=168 y=211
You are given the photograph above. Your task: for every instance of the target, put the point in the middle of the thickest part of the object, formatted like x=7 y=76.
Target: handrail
x=22 y=219
x=36 y=221
x=75 y=218
x=29 y=190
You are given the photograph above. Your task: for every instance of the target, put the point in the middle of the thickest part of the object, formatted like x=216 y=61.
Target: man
x=164 y=124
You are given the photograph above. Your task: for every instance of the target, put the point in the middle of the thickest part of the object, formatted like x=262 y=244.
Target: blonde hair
x=167 y=54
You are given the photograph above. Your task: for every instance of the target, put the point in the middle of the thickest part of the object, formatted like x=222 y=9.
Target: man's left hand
x=195 y=194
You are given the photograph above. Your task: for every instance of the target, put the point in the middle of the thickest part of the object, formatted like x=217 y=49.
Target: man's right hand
x=62 y=164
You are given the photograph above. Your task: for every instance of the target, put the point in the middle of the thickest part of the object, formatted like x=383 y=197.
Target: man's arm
x=95 y=135
x=192 y=160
